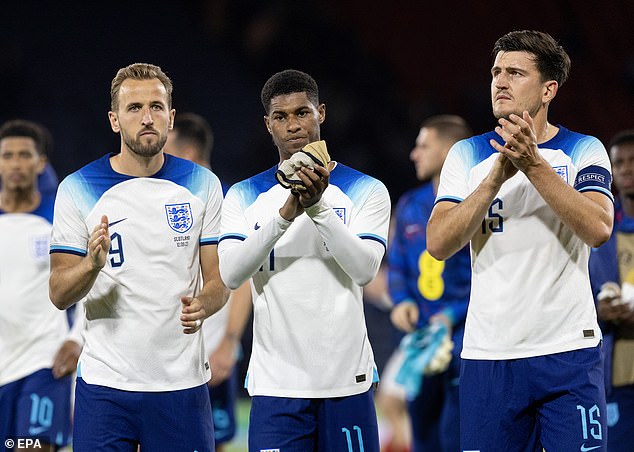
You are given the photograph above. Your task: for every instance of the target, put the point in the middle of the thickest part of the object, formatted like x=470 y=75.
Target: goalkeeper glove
x=427 y=352
x=312 y=154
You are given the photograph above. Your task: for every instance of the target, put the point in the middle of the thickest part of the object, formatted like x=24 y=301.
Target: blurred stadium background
x=381 y=66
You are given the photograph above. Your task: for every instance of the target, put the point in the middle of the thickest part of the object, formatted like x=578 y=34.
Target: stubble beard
x=532 y=111
x=145 y=150
x=497 y=114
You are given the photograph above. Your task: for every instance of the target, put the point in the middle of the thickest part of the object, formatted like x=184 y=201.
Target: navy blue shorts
x=117 y=421
x=223 y=402
x=37 y=407
x=621 y=419
x=343 y=424
x=554 y=401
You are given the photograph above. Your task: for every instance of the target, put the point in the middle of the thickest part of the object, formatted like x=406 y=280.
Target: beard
x=144 y=150
x=517 y=110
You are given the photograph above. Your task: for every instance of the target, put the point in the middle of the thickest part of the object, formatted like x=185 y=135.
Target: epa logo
x=22 y=443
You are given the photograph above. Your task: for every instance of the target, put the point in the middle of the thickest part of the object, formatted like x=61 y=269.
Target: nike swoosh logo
x=257 y=226
x=586 y=449
x=115 y=222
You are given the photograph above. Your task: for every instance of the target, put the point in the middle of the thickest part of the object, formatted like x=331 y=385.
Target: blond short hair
x=138 y=71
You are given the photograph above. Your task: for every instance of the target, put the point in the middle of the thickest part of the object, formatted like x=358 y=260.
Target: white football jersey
x=309 y=332
x=32 y=329
x=133 y=335
x=530 y=292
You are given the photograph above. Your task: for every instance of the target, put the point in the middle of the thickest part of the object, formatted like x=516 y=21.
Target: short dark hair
x=195 y=129
x=452 y=127
x=622 y=137
x=552 y=61
x=287 y=82
x=27 y=129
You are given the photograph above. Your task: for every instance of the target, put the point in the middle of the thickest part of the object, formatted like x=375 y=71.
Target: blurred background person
x=428 y=292
x=47 y=180
x=612 y=278
x=38 y=350
x=191 y=138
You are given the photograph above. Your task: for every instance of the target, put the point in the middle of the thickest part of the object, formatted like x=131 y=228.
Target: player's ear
x=41 y=164
x=172 y=115
x=322 y=113
x=550 y=90
x=267 y=124
x=114 y=122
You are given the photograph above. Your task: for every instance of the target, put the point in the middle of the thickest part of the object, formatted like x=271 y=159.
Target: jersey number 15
x=494 y=221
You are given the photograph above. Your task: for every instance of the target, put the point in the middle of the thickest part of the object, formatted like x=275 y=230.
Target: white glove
x=312 y=154
x=618 y=294
x=609 y=289
x=627 y=294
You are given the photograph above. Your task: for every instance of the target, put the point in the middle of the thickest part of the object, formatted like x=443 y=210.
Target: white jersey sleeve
x=71 y=233
x=243 y=249
x=454 y=177
x=594 y=169
x=210 y=232
x=360 y=247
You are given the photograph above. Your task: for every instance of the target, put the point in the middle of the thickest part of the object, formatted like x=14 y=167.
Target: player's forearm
x=239 y=261
x=213 y=296
x=68 y=285
x=359 y=258
x=450 y=228
x=589 y=220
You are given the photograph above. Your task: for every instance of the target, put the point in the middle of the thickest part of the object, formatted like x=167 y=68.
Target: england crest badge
x=562 y=171
x=341 y=213
x=179 y=216
x=39 y=246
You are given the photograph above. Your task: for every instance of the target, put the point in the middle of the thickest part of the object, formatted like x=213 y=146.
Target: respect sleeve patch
x=593 y=178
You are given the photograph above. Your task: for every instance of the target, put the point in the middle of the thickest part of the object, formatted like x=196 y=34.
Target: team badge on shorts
x=179 y=216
